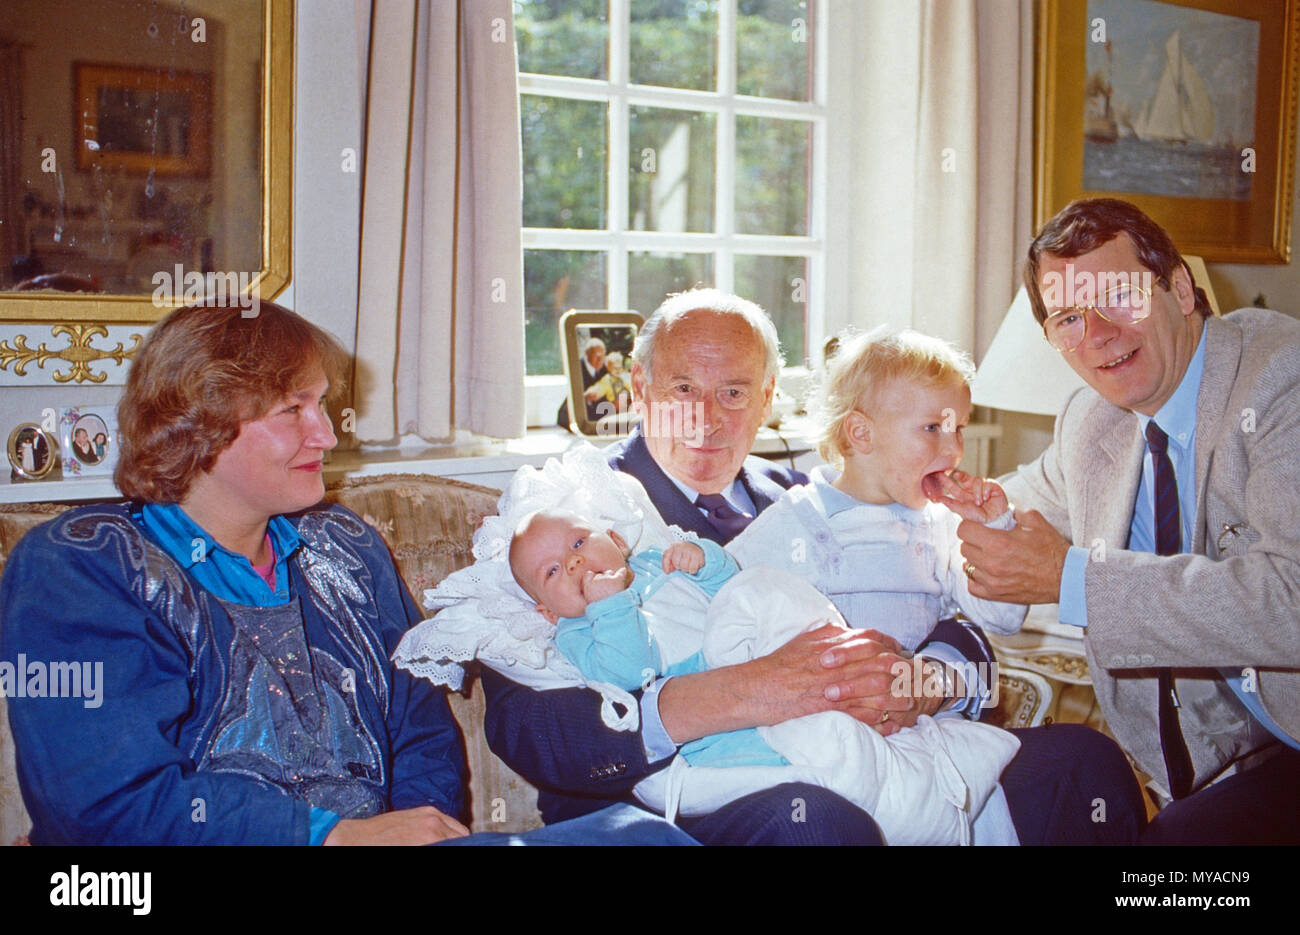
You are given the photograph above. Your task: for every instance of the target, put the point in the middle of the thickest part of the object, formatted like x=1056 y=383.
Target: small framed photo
x=32 y=452
x=597 y=369
x=88 y=438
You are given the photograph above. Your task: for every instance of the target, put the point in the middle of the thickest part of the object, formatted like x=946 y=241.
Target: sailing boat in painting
x=1163 y=137
x=1180 y=111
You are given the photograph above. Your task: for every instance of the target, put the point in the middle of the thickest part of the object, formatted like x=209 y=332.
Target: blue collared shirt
x=226 y=574
x=1177 y=419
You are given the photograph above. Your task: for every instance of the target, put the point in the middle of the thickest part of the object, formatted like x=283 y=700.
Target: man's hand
x=412 y=826
x=831 y=668
x=597 y=587
x=1017 y=566
x=977 y=499
x=683 y=556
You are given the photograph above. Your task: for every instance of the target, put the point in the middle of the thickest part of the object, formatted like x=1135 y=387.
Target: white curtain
x=440 y=322
x=938 y=169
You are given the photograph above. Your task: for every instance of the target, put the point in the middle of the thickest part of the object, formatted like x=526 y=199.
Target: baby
x=593 y=589
x=626 y=619
x=879 y=537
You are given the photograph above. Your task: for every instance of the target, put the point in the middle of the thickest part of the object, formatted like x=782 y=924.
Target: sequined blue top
x=214 y=722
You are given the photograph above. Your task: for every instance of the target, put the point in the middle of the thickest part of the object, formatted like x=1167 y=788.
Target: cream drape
x=938 y=167
x=440 y=322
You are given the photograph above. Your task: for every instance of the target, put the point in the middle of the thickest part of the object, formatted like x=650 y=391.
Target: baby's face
x=554 y=556
x=916 y=433
x=614 y=365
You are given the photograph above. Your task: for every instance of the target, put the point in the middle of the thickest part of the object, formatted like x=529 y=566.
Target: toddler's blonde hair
x=864 y=363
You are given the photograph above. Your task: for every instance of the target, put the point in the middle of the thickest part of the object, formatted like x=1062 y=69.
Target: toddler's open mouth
x=932 y=484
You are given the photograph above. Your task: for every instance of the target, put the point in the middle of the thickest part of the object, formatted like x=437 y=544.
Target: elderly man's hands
x=830 y=668
x=864 y=666
x=1019 y=566
x=411 y=826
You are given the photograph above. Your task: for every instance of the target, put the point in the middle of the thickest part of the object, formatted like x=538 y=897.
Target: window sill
x=486 y=461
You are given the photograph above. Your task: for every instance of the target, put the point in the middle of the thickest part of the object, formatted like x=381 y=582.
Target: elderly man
x=704 y=373
x=1175 y=478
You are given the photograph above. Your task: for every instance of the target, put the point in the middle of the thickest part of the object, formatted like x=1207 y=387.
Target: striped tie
x=1178 y=761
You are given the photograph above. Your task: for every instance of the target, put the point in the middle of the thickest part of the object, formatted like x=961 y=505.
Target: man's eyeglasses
x=1123 y=305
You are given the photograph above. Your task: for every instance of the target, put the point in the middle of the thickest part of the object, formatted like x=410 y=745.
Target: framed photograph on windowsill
x=597 y=351
x=1184 y=108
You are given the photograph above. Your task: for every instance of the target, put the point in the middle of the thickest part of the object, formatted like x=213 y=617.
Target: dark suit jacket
x=556 y=739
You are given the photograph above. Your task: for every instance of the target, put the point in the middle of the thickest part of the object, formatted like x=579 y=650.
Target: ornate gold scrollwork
x=79 y=352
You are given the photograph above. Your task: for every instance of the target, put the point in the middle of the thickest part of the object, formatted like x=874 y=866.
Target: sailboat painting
x=1169 y=100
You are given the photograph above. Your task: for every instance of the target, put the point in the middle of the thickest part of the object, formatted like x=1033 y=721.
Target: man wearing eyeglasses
x=1175 y=479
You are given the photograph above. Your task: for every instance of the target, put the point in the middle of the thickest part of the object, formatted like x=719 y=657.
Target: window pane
x=652 y=276
x=780 y=285
x=670 y=177
x=774 y=49
x=564 y=161
x=554 y=282
x=772 y=175
x=562 y=37
x=674 y=43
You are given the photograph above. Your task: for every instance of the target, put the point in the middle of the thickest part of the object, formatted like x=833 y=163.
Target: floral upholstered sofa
x=428 y=523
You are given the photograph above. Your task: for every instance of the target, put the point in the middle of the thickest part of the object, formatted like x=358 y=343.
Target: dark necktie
x=721 y=516
x=1168 y=537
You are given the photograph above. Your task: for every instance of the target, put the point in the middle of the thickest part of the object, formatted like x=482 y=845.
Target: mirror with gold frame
x=145 y=150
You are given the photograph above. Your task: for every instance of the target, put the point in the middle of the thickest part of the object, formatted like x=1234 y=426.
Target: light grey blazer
x=1235 y=605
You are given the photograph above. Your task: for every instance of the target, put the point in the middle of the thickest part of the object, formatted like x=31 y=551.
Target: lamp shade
x=1021 y=372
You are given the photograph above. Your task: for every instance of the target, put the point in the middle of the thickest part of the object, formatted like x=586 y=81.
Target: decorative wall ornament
x=80 y=352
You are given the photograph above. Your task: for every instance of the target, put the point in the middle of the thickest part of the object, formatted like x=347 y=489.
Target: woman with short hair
x=217 y=649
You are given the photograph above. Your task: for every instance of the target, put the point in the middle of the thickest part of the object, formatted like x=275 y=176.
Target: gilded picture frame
x=599 y=396
x=1123 y=110
x=274 y=115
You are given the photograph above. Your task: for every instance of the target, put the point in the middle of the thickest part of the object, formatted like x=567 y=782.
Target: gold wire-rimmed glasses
x=1125 y=304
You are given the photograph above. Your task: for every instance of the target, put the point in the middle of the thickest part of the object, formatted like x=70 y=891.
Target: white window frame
x=544 y=393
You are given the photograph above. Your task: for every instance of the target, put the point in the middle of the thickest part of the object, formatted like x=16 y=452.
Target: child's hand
x=977 y=499
x=683 y=556
x=597 y=587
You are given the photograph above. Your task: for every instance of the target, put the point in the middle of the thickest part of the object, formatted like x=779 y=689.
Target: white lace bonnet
x=482 y=613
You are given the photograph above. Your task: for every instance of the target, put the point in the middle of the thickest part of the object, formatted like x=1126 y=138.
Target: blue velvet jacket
x=215 y=723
